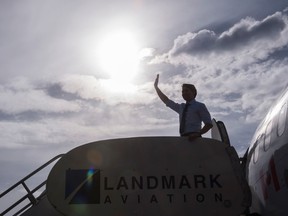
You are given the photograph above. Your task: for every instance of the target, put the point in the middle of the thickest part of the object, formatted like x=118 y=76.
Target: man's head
x=189 y=92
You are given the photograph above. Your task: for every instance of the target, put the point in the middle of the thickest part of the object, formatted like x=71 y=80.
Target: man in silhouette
x=191 y=114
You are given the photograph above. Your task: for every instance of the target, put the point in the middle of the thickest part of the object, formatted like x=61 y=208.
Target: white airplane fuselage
x=267 y=162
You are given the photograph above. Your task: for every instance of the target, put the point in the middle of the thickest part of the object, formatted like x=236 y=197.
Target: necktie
x=183 y=119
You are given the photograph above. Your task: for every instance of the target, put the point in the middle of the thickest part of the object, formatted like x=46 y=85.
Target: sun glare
x=118 y=55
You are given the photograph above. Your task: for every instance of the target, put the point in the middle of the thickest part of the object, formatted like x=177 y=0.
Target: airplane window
x=267 y=140
x=256 y=150
x=259 y=143
x=255 y=155
x=282 y=120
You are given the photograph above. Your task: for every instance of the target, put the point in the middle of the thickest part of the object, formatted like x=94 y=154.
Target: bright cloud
x=249 y=39
x=106 y=90
x=232 y=69
x=22 y=96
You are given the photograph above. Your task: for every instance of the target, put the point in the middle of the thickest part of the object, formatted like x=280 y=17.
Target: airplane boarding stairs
x=140 y=176
x=28 y=200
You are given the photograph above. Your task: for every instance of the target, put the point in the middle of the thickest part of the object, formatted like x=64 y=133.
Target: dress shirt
x=196 y=114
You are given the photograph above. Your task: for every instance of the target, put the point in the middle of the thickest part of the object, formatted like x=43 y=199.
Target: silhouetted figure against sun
x=191 y=114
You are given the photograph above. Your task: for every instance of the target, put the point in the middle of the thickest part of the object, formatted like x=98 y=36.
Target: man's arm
x=161 y=95
x=203 y=130
x=206 y=118
x=206 y=128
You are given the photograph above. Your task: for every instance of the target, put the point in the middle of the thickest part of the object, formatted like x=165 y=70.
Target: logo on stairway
x=82 y=186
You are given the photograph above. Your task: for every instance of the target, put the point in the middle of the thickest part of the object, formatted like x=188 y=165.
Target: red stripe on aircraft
x=274 y=175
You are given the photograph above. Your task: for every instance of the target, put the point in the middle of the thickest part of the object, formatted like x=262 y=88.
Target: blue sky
x=63 y=82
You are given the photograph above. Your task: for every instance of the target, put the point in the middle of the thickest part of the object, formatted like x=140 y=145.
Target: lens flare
x=90 y=174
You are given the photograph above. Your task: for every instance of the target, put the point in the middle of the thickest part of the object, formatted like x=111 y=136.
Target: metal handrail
x=29 y=194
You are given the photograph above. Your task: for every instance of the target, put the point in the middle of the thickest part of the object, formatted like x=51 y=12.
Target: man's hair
x=191 y=87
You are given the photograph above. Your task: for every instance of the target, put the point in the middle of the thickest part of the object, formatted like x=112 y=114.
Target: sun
x=118 y=54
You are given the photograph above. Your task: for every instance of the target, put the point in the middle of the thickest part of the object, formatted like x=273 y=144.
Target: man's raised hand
x=156 y=81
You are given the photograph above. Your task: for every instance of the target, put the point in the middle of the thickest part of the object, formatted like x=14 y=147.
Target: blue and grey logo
x=82 y=186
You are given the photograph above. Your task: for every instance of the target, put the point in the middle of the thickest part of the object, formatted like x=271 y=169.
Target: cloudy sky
x=73 y=72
